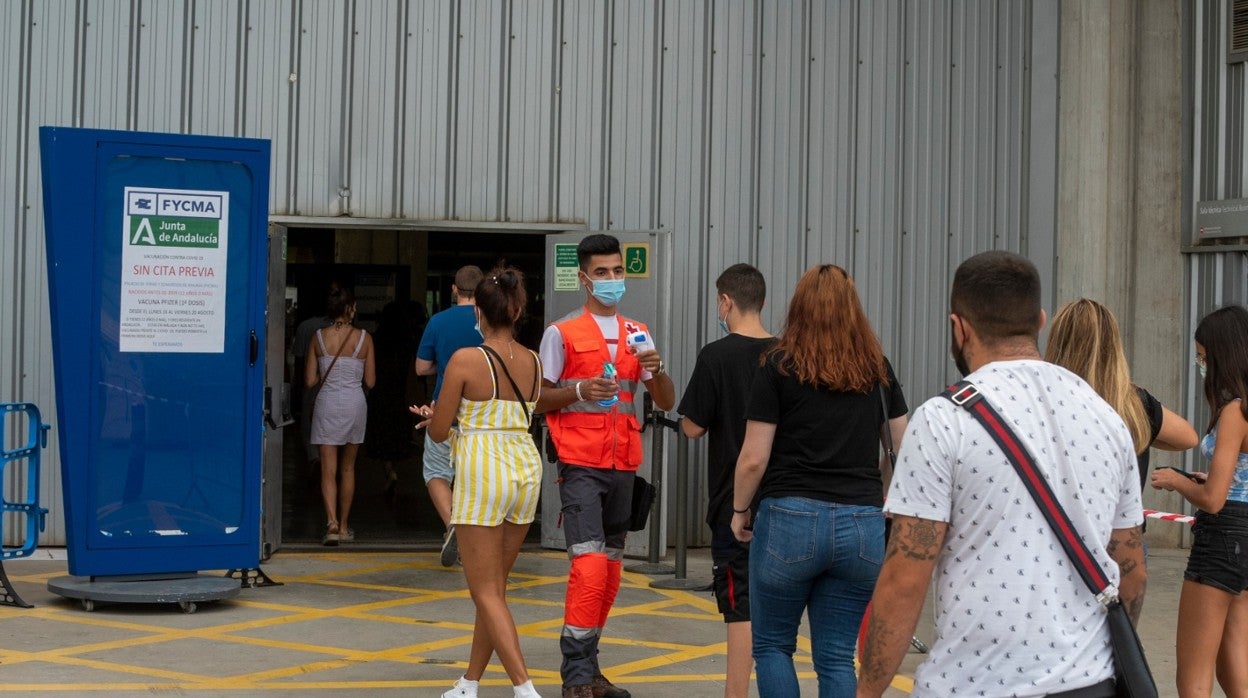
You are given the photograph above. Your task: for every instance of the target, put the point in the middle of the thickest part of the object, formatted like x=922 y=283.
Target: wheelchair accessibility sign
x=637 y=260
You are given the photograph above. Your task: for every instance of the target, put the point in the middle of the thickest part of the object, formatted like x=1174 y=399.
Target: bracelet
x=740 y=511
x=578 y=390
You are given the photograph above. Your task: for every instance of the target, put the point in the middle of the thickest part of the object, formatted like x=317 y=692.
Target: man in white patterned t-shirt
x=1013 y=617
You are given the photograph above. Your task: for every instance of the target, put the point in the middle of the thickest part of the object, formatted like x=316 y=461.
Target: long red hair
x=827 y=340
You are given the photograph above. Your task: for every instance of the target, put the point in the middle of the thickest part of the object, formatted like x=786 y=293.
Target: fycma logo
x=173 y=219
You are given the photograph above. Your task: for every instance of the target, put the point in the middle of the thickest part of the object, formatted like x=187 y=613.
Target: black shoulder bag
x=1132 y=676
x=886 y=437
x=887 y=434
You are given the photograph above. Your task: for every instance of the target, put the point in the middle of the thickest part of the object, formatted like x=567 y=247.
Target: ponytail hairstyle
x=1224 y=335
x=1084 y=339
x=339 y=302
x=501 y=297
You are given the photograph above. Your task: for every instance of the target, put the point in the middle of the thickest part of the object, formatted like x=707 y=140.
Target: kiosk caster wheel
x=187 y=606
x=87 y=605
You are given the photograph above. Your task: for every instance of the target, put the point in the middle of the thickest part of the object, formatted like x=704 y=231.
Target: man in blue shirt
x=447 y=332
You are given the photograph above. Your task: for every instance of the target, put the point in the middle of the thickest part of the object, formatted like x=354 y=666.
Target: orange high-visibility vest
x=586 y=433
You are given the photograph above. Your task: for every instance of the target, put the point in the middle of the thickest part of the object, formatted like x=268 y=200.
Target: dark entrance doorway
x=414 y=268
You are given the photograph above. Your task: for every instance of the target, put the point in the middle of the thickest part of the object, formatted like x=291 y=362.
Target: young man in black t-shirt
x=714 y=404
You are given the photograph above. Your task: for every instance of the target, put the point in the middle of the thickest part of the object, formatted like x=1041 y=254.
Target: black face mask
x=959 y=357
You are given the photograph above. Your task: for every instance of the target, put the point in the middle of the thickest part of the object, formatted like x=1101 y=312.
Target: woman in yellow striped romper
x=491 y=391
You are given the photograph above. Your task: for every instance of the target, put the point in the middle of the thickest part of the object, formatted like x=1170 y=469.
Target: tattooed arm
x=1127 y=549
x=913 y=547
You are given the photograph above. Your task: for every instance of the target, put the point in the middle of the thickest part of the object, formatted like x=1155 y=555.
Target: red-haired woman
x=811 y=469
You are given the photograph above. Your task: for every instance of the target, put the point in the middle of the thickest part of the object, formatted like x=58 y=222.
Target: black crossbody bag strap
x=523 y=405
x=967 y=396
x=1132 y=676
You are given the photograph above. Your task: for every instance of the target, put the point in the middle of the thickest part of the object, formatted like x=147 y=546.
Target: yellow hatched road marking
x=666 y=604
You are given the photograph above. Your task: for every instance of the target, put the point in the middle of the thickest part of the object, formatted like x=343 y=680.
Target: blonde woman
x=1084 y=339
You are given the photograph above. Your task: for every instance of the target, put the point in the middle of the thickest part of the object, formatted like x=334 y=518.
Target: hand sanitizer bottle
x=608 y=372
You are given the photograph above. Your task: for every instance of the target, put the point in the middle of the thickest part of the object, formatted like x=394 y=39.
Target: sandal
x=331 y=535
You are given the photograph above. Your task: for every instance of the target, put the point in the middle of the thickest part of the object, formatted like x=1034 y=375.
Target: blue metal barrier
x=30 y=451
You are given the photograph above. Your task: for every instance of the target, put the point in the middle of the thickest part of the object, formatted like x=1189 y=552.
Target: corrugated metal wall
x=891 y=137
x=1217 y=273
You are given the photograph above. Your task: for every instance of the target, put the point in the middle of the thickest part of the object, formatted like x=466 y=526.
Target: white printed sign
x=173 y=270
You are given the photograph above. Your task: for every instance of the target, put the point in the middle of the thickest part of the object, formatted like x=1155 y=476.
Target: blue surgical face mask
x=1203 y=369
x=476 y=325
x=723 y=325
x=608 y=291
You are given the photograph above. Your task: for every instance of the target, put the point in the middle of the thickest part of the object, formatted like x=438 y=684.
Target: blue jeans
x=822 y=558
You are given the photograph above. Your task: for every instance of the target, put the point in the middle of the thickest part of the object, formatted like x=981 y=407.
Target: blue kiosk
x=157 y=258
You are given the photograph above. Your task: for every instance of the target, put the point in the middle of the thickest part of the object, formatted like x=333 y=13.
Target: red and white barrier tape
x=1166 y=516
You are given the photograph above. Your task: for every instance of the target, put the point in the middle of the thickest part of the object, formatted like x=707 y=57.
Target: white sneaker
x=463 y=688
x=525 y=690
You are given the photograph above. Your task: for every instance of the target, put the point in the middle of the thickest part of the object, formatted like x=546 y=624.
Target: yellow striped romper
x=498 y=471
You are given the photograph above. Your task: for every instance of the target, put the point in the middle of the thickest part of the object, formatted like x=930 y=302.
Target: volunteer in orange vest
x=599 y=450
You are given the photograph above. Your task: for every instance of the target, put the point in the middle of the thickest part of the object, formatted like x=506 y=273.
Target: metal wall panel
x=835 y=72
x=584 y=84
x=107 y=50
x=875 y=237
x=1218 y=131
x=1217 y=274
x=323 y=99
x=531 y=99
x=733 y=150
x=684 y=164
x=925 y=230
x=43 y=52
x=13 y=96
x=14 y=21
x=374 y=137
x=429 y=84
x=266 y=65
x=891 y=137
x=216 y=38
x=630 y=115
x=782 y=142
x=479 y=116
x=162 y=79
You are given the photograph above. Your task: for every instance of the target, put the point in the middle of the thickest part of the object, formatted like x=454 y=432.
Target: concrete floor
x=357 y=621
